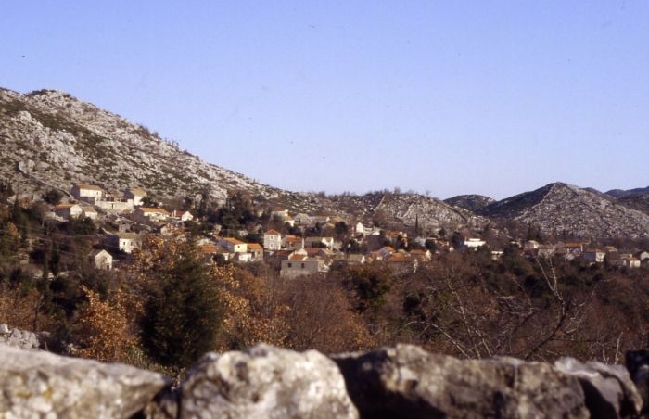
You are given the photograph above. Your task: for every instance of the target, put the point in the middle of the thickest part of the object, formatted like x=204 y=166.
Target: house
x=233 y=245
x=125 y=242
x=626 y=260
x=315 y=241
x=402 y=261
x=256 y=251
x=101 y=259
x=572 y=249
x=473 y=243
x=86 y=192
x=136 y=195
x=359 y=228
x=279 y=213
x=68 y=211
x=302 y=219
x=272 y=240
x=497 y=254
x=151 y=214
x=299 y=263
x=593 y=255
x=89 y=212
x=292 y=242
x=182 y=215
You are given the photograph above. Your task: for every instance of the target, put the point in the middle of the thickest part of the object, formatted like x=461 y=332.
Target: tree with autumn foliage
x=103 y=330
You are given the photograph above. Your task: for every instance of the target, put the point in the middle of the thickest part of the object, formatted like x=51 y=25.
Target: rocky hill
x=470 y=202
x=558 y=209
x=50 y=138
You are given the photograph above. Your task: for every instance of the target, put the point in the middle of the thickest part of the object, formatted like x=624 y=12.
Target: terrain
x=51 y=139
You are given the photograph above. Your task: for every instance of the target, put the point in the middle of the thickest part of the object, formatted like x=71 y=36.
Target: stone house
x=87 y=193
x=89 y=212
x=151 y=214
x=299 y=263
x=182 y=215
x=593 y=255
x=125 y=242
x=314 y=241
x=101 y=259
x=272 y=240
x=68 y=211
x=136 y=195
x=292 y=242
x=256 y=251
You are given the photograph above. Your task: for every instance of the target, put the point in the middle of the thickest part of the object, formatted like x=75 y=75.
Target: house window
x=289 y=265
x=302 y=265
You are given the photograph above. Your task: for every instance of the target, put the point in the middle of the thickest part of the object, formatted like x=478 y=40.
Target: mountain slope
x=470 y=202
x=558 y=209
x=57 y=139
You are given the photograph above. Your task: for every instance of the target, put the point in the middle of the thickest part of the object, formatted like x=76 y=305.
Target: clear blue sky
x=446 y=97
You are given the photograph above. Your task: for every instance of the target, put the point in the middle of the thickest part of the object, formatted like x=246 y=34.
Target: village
x=125 y=218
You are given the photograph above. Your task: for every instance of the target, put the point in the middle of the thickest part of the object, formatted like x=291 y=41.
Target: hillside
x=55 y=139
x=386 y=208
x=470 y=202
x=558 y=209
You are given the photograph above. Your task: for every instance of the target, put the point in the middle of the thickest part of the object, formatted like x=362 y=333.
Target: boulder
x=17 y=338
x=608 y=389
x=265 y=382
x=39 y=384
x=408 y=382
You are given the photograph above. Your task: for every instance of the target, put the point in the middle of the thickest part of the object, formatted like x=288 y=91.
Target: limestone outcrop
x=404 y=381
x=40 y=384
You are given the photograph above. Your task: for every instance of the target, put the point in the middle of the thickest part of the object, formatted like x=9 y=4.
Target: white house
x=68 y=211
x=272 y=240
x=125 y=242
x=151 y=214
x=473 y=243
x=182 y=215
x=101 y=259
x=86 y=192
x=233 y=245
x=136 y=195
x=89 y=212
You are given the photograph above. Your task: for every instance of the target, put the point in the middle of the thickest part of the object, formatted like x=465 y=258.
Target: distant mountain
x=558 y=209
x=620 y=193
x=470 y=202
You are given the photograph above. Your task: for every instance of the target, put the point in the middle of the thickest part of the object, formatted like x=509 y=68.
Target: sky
x=442 y=98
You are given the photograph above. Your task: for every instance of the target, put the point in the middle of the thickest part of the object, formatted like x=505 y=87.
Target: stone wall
x=267 y=382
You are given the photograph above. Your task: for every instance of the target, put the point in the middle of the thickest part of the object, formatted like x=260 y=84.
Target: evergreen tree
x=183 y=308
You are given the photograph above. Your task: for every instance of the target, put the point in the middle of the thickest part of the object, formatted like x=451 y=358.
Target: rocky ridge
x=559 y=209
x=397 y=382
